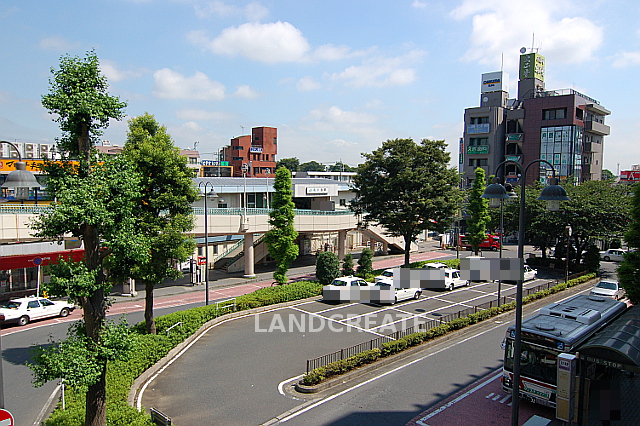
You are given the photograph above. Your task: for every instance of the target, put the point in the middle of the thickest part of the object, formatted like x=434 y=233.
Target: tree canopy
x=281 y=238
x=293 y=164
x=629 y=268
x=478 y=210
x=407 y=187
x=312 y=166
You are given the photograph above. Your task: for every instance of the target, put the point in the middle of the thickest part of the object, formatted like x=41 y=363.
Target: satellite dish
x=523 y=50
x=485 y=99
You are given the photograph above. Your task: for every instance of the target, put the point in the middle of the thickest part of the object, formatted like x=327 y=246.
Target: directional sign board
x=6 y=419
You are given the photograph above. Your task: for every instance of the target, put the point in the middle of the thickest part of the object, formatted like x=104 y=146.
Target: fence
x=345 y=353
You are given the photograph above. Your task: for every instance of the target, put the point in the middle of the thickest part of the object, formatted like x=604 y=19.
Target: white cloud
x=244 y=91
x=253 y=11
x=268 y=43
x=307 y=84
x=112 y=73
x=202 y=115
x=170 y=84
x=500 y=26
x=380 y=72
x=419 y=4
x=58 y=44
x=330 y=52
x=625 y=59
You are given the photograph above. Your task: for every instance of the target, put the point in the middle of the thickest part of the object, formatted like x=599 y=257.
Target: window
x=343 y=202
x=237 y=147
x=554 y=114
x=478 y=141
x=478 y=162
x=479 y=120
x=238 y=158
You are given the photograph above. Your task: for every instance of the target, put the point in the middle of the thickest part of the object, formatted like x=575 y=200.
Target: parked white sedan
x=401 y=293
x=615 y=255
x=607 y=288
x=530 y=273
x=26 y=309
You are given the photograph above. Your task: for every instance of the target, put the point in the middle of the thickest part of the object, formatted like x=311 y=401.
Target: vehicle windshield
x=607 y=285
x=387 y=274
x=535 y=362
x=339 y=282
x=10 y=305
x=383 y=285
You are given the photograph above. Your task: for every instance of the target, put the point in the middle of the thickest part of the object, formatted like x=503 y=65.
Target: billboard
x=532 y=66
x=495 y=82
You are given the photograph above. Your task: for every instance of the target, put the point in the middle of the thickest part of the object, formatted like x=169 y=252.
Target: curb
x=173 y=353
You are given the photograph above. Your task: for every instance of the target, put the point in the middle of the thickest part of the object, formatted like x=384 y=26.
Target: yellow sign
x=532 y=66
x=8 y=165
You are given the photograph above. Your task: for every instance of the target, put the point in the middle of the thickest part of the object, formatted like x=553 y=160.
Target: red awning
x=31 y=260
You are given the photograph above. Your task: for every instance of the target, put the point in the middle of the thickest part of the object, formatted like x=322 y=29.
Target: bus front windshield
x=535 y=362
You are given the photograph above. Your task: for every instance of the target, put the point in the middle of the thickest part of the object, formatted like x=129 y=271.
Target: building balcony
x=597 y=128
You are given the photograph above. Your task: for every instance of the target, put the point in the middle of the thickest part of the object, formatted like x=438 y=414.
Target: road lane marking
x=332 y=397
x=282 y=383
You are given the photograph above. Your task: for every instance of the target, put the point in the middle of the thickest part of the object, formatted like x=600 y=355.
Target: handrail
x=226 y=252
x=239 y=255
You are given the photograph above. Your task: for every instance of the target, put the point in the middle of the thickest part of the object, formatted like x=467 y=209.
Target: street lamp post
x=205 y=186
x=553 y=194
x=267 y=172
x=568 y=232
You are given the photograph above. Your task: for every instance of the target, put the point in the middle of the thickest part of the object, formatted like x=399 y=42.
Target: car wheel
x=395 y=300
x=417 y=295
x=494 y=248
x=606 y=258
x=64 y=312
x=24 y=320
x=468 y=283
x=451 y=287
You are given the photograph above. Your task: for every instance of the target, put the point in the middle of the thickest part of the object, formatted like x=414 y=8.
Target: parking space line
x=338 y=321
x=336 y=307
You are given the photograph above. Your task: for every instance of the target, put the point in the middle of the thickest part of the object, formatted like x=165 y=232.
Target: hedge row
x=149 y=349
x=322 y=373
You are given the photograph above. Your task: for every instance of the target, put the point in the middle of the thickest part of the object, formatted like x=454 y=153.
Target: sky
x=336 y=78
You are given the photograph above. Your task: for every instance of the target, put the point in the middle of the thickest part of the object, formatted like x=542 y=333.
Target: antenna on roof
x=502 y=61
x=242 y=127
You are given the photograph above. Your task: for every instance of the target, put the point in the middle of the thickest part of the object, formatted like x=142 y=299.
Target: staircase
x=258 y=255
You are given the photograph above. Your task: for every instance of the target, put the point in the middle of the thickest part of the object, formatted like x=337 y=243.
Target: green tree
x=293 y=164
x=347 y=265
x=95 y=203
x=407 y=188
x=311 y=166
x=163 y=213
x=365 y=262
x=478 y=210
x=281 y=238
x=608 y=175
x=327 y=267
x=341 y=167
x=629 y=268
x=592 y=259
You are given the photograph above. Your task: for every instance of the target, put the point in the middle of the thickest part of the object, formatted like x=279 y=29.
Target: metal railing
x=233 y=247
x=345 y=353
x=241 y=254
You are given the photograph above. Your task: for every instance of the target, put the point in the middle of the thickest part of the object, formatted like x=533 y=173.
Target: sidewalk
x=303 y=267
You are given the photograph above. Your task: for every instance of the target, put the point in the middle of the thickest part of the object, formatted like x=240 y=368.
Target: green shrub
x=347 y=265
x=327 y=267
x=365 y=263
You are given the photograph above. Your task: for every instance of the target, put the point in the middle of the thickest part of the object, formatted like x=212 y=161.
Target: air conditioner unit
x=29 y=155
x=44 y=150
x=29 y=147
x=11 y=151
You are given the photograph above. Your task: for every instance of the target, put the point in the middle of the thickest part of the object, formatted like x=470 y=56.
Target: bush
x=347 y=265
x=327 y=267
x=365 y=263
x=592 y=259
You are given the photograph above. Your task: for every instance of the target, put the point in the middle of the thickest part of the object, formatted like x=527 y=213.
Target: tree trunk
x=148 y=308
x=407 y=249
x=96 y=411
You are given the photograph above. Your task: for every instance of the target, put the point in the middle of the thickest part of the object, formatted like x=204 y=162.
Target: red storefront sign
x=630 y=175
x=42 y=259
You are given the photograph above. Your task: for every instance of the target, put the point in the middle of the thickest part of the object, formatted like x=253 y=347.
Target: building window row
x=554 y=114
x=479 y=120
x=478 y=162
x=478 y=141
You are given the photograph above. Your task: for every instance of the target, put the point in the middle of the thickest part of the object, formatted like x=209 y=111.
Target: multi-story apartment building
x=564 y=127
x=256 y=151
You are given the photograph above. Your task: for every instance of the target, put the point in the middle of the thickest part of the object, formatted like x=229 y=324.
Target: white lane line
x=505 y=399
x=47 y=404
x=458 y=399
x=338 y=322
x=490 y=395
x=282 y=383
x=335 y=308
x=332 y=397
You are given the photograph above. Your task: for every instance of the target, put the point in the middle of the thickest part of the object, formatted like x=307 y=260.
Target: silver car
x=607 y=288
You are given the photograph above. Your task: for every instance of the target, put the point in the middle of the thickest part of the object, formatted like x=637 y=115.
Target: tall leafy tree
x=629 y=268
x=163 y=212
x=312 y=166
x=281 y=238
x=478 y=210
x=95 y=202
x=407 y=187
x=293 y=164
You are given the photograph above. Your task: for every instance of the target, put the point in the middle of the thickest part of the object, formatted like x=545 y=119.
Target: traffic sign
x=6 y=418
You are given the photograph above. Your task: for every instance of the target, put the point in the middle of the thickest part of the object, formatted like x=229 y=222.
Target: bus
x=557 y=328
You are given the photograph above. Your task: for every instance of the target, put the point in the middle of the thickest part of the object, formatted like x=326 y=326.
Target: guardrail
x=345 y=353
x=157 y=417
x=227 y=304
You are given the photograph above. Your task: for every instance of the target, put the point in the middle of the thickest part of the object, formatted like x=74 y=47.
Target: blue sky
x=335 y=77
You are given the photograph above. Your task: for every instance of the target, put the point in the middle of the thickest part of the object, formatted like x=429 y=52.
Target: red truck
x=492 y=242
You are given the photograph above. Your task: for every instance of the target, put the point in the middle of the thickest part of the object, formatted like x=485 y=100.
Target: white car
x=26 y=309
x=386 y=275
x=434 y=265
x=350 y=281
x=607 y=288
x=615 y=255
x=530 y=273
x=452 y=279
x=401 y=293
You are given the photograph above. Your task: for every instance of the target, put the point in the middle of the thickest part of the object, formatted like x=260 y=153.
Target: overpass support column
x=372 y=245
x=248 y=256
x=342 y=244
x=385 y=248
